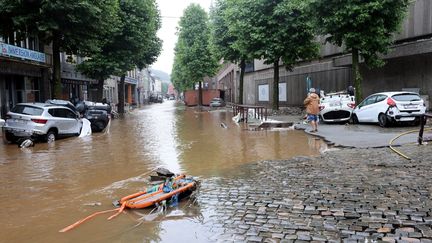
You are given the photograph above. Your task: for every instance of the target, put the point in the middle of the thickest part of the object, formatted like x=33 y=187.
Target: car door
x=364 y=110
x=379 y=106
x=75 y=122
x=64 y=120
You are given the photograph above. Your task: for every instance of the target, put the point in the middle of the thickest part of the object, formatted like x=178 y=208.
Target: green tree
x=279 y=30
x=178 y=75
x=223 y=41
x=364 y=28
x=71 y=26
x=134 y=44
x=194 y=58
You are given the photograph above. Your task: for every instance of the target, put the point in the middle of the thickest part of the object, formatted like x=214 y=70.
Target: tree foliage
x=133 y=44
x=178 y=75
x=72 y=26
x=193 y=58
x=273 y=31
x=364 y=28
x=223 y=40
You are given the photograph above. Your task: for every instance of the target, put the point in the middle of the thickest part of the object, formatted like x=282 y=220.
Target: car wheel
x=382 y=120
x=51 y=136
x=9 y=138
x=354 y=119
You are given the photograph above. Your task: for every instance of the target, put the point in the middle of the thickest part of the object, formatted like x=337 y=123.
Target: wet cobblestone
x=349 y=195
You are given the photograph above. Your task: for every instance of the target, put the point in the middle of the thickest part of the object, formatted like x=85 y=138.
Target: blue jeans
x=311 y=117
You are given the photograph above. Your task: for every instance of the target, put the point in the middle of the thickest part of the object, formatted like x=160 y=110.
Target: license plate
x=410 y=106
x=20 y=121
x=406 y=118
x=335 y=104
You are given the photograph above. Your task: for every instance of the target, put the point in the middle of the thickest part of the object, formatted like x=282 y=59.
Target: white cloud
x=171 y=11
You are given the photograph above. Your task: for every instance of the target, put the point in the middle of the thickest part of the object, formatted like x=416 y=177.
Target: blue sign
x=131 y=80
x=15 y=51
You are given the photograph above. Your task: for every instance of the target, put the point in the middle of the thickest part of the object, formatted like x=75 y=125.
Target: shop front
x=131 y=91
x=23 y=77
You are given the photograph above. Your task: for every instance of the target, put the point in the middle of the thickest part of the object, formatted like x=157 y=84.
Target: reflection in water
x=47 y=187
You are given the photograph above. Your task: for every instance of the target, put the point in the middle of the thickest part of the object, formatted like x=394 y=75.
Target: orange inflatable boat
x=172 y=188
x=154 y=195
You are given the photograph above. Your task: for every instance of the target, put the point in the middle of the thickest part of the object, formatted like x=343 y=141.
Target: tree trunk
x=200 y=98
x=56 y=80
x=121 y=95
x=356 y=76
x=99 y=91
x=242 y=71
x=275 y=105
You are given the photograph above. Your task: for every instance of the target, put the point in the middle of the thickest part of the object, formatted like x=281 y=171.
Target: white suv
x=41 y=121
x=390 y=107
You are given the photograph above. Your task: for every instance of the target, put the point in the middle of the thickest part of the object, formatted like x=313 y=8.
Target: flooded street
x=50 y=186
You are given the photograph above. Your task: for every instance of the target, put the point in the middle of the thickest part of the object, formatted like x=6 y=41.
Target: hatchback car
x=41 y=121
x=390 y=107
x=336 y=107
x=217 y=102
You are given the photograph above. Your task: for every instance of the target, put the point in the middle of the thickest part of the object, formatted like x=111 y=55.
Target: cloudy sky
x=171 y=11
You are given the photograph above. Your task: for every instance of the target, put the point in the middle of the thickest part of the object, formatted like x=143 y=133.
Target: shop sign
x=15 y=51
x=74 y=81
x=131 y=80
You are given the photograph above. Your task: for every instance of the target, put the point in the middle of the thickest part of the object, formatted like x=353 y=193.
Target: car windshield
x=27 y=110
x=406 y=97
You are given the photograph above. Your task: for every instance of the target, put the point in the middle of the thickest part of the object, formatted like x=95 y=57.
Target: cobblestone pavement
x=348 y=195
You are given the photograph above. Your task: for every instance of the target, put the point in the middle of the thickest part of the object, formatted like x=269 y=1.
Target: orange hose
x=86 y=218
x=119 y=212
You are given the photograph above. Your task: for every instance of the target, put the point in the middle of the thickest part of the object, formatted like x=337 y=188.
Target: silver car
x=41 y=121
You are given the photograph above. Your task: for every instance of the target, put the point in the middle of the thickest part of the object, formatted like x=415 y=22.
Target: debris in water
x=93 y=204
x=26 y=143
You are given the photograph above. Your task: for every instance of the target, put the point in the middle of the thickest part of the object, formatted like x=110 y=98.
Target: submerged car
x=336 y=107
x=390 y=107
x=99 y=114
x=41 y=121
x=217 y=102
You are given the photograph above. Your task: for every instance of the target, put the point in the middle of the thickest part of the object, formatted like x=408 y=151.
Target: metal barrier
x=423 y=120
x=260 y=112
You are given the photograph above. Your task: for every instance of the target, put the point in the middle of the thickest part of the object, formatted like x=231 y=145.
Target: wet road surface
x=49 y=186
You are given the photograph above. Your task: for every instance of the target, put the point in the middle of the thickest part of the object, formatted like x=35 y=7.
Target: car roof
x=42 y=105
x=391 y=93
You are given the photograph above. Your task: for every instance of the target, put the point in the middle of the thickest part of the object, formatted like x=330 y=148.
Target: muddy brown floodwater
x=50 y=186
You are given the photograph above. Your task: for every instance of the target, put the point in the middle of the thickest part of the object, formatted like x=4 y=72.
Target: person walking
x=312 y=108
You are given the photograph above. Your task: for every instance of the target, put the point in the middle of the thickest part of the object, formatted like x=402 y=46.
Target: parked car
x=98 y=119
x=390 y=107
x=41 y=121
x=98 y=114
x=336 y=107
x=217 y=102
